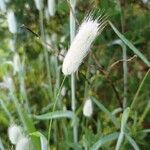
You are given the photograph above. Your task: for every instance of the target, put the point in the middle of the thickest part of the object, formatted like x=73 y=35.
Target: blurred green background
x=130 y=17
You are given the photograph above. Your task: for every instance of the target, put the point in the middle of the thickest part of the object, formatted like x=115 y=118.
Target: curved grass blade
x=130 y=45
x=44 y=142
x=132 y=142
x=139 y=89
x=56 y=115
x=145 y=131
x=123 y=124
x=105 y=110
x=103 y=140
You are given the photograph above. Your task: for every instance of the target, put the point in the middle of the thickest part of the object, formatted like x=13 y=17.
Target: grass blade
x=130 y=45
x=103 y=140
x=145 y=131
x=146 y=111
x=139 y=89
x=132 y=142
x=123 y=124
x=44 y=142
x=56 y=115
x=125 y=118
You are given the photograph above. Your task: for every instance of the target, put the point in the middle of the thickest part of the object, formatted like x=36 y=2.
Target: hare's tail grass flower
x=7 y=1
x=12 y=24
x=80 y=47
x=9 y=82
x=2 y=6
x=23 y=144
x=39 y=4
x=16 y=63
x=51 y=7
x=88 y=108
x=14 y=133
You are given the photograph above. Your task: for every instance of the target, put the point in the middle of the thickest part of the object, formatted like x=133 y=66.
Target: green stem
x=125 y=74
x=46 y=54
x=138 y=91
x=147 y=109
x=125 y=67
x=86 y=83
x=54 y=106
x=23 y=88
x=72 y=35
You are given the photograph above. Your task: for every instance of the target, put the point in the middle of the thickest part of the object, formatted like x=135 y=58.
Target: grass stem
x=46 y=53
x=125 y=75
x=54 y=106
x=147 y=109
x=138 y=90
x=72 y=35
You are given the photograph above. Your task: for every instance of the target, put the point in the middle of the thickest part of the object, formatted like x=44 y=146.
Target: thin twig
x=53 y=50
x=118 y=61
x=44 y=43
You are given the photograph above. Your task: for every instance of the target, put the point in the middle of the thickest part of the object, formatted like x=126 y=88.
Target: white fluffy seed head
x=9 y=82
x=46 y=13
x=63 y=91
x=11 y=45
x=14 y=133
x=81 y=44
x=51 y=7
x=145 y=1
x=39 y=4
x=2 y=6
x=16 y=63
x=88 y=108
x=7 y=1
x=12 y=25
x=23 y=144
x=3 y=85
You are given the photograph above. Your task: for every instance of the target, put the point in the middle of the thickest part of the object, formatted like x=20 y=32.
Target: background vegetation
x=100 y=77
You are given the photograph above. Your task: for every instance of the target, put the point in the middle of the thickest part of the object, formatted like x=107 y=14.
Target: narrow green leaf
x=103 y=140
x=145 y=131
x=132 y=142
x=44 y=142
x=139 y=89
x=119 y=141
x=30 y=128
x=56 y=115
x=123 y=124
x=145 y=113
x=105 y=110
x=124 y=118
x=37 y=134
x=130 y=45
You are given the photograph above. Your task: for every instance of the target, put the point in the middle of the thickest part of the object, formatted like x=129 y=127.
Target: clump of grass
x=36 y=71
